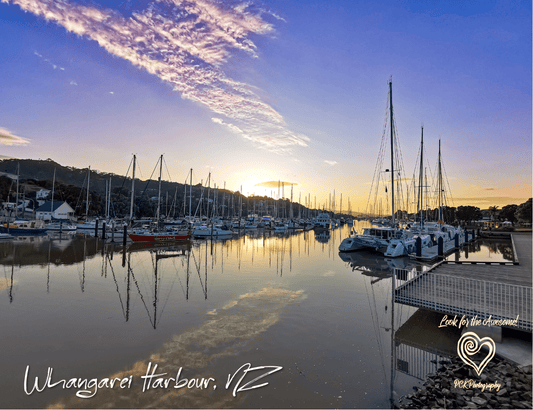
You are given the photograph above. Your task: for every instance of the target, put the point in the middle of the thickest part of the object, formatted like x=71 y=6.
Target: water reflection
x=225 y=334
x=417 y=349
x=374 y=264
x=286 y=299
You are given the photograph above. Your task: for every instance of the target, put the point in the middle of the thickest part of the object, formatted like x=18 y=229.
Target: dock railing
x=484 y=300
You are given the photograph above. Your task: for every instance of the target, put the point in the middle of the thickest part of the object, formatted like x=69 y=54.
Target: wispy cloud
x=185 y=43
x=45 y=59
x=275 y=184
x=7 y=138
x=330 y=162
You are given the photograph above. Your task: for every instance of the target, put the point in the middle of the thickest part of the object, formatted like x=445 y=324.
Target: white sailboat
x=389 y=240
x=377 y=238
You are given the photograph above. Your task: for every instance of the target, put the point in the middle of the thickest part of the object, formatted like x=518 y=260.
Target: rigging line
x=79 y=196
x=376 y=330
x=201 y=283
x=125 y=176
x=166 y=167
x=116 y=284
x=198 y=266
x=399 y=159
x=166 y=301
x=178 y=276
x=145 y=188
x=142 y=298
x=379 y=161
x=447 y=182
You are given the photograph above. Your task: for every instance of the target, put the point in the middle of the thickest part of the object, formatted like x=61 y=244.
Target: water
x=92 y=311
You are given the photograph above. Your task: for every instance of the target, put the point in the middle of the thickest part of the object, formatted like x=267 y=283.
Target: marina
x=268 y=298
x=250 y=205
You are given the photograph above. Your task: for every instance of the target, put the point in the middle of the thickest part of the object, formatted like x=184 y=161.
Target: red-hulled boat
x=159 y=236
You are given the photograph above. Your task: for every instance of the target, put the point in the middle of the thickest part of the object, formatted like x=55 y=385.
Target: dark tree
x=523 y=212
x=508 y=213
x=468 y=213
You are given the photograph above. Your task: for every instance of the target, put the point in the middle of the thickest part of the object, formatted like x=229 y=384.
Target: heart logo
x=469 y=344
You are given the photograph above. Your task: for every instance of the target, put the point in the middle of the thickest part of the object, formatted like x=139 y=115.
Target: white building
x=54 y=210
x=42 y=193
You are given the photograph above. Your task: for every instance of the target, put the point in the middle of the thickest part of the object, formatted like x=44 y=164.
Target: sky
x=254 y=92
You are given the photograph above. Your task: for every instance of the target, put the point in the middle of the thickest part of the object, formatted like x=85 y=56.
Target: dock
x=431 y=254
x=490 y=291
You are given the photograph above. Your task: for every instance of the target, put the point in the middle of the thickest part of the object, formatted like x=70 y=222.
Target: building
x=54 y=210
x=42 y=193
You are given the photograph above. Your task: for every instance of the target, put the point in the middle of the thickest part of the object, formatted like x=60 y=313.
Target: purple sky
x=282 y=90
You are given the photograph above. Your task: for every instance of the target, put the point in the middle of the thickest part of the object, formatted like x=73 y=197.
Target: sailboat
x=377 y=238
x=158 y=235
x=437 y=229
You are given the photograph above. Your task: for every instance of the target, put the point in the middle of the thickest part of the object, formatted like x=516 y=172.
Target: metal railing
x=484 y=300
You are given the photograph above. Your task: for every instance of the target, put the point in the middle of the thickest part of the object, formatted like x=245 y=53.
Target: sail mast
x=53 y=185
x=159 y=190
x=87 y=201
x=439 y=186
x=421 y=180
x=132 y=189
x=391 y=149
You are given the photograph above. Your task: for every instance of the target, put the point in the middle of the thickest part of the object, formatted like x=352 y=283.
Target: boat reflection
x=323 y=236
x=374 y=264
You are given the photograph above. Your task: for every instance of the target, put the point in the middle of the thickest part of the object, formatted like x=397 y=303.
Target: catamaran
x=390 y=240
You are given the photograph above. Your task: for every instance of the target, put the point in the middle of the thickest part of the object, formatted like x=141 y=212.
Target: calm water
x=92 y=311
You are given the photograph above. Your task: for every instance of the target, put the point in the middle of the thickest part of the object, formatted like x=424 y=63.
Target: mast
x=53 y=185
x=290 y=216
x=439 y=187
x=132 y=189
x=391 y=148
x=109 y=199
x=17 y=200
x=87 y=200
x=159 y=190
x=190 y=200
x=421 y=181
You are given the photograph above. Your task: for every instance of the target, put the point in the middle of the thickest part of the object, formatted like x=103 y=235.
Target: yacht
x=323 y=221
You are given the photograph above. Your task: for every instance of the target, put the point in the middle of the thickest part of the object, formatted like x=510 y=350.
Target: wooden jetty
x=490 y=291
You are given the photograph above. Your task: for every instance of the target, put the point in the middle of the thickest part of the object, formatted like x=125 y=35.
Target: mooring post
x=125 y=235
x=441 y=246
x=96 y=228
x=466 y=235
x=419 y=246
x=103 y=230
x=456 y=240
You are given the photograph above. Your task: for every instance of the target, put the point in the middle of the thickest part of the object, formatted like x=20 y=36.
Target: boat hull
x=23 y=231
x=158 y=237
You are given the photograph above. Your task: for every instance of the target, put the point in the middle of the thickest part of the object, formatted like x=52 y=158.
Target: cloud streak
x=7 y=138
x=185 y=43
x=275 y=184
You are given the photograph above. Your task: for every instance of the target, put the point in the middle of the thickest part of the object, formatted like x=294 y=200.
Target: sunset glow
x=282 y=91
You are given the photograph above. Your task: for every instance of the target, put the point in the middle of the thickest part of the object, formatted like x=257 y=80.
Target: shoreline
x=502 y=384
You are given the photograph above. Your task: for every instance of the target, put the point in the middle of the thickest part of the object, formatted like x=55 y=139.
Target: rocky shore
x=456 y=385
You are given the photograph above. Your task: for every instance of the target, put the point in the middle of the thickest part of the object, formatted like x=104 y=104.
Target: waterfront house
x=42 y=194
